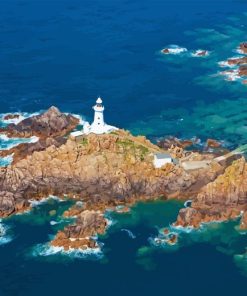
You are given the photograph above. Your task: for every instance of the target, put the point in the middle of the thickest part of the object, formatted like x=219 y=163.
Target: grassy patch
x=126 y=143
x=134 y=147
x=84 y=141
x=114 y=133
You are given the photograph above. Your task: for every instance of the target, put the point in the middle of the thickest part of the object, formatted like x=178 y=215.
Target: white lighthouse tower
x=98 y=126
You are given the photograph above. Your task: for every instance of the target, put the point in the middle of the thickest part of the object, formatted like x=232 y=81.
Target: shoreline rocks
x=11 y=116
x=223 y=199
x=51 y=123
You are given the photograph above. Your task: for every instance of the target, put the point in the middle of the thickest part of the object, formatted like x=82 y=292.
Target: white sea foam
x=231 y=75
x=22 y=116
x=200 y=53
x=179 y=229
x=54 y=222
x=35 y=203
x=8 y=143
x=81 y=120
x=45 y=250
x=4 y=236
x=5 y=161
x=174 y=49
x=240 y=51
x=226 y=64
x=130 y=233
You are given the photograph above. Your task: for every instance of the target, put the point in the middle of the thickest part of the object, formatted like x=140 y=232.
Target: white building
x=98 y=126
x=161 y=159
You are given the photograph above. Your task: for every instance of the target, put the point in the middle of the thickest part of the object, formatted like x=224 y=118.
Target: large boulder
x=51 y=123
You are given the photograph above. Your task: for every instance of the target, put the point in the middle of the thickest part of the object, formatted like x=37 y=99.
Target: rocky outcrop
x=49 y=126
x=166 y=143
x=243 y=47
x=101 y=167
x=237 y=61
x=24 y=149
x=99 y=172
x=51 y=123
x=242 y=71
x=11 y=116
x=102 y=171
x=88 y=224
x=224 y=198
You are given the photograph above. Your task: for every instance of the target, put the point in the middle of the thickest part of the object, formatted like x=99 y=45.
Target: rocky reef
x=239 y=63
x=101 y=172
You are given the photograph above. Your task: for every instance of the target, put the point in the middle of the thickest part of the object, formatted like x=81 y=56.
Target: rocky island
x=104 y=171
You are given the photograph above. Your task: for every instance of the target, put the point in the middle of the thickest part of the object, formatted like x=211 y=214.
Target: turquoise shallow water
x=66 y=53
x=127 y=263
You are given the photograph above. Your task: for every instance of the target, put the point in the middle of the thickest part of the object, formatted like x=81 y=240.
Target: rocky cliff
x=224 y=198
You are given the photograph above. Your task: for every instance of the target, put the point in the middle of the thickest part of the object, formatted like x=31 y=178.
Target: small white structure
x=98 y=126
x=78 y=135
x=161 y=159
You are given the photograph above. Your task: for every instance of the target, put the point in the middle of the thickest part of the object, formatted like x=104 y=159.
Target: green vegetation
x=114 y=133
x=128 y=144
x=84 y=141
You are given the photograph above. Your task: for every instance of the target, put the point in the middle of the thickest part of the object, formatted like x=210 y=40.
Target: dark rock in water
x=242 y=71
x=243 y=47
x=166 y=143
x=211 y=143
x=88 y=224
x=166 y=51
x=11 y=116
x=50 y=127
x=51 y=123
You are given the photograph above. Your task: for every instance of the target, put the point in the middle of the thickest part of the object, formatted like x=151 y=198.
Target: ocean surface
x=67 y=53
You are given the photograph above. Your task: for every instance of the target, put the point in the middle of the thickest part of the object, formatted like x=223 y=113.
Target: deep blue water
x=66 y=53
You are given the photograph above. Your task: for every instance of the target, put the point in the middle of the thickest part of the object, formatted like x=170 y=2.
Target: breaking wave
x=35 y=203
x=5 y=161
x=174 y=49
x=44 y=250
x=130 y=233
x=8 y=143
x=5 y=237
x=22 y=116
x=177 y=50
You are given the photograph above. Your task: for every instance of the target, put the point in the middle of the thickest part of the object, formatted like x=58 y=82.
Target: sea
x=66 y=53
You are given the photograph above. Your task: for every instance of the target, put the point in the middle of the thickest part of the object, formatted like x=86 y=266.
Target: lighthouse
x=98 y=125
